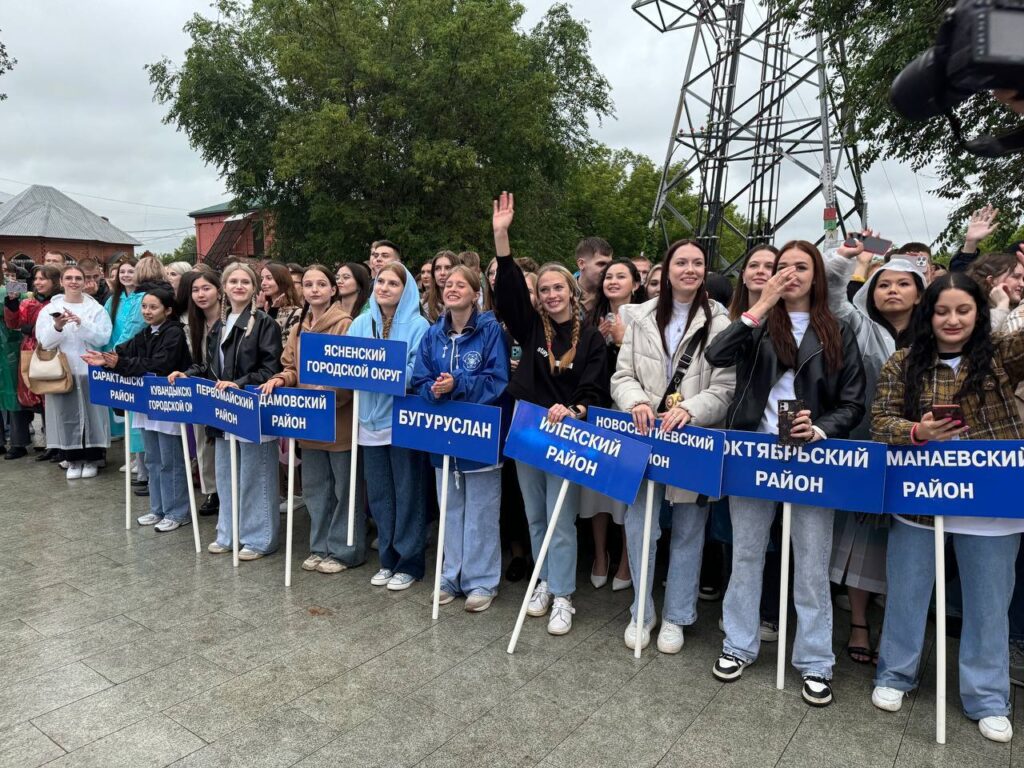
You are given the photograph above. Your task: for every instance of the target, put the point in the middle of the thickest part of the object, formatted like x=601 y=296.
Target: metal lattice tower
x=755 y=99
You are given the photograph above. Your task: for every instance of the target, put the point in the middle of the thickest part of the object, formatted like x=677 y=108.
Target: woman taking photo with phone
x=662 y=373
x=241 y=347
x=326 y=466
x=954 y=376
x=394 y=476
x=788 y=347
x=20 y=315
x=75 y=323
x=620 y=287
x=157 y=350
x=463 y=357
x=564 y=369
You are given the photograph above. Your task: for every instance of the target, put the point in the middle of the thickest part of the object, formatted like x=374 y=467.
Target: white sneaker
x=443 y=598
x=670 y=638
x=400 y=581
x=149 y=519
x=166 y=525
x=88 y=470
x=311 y=562
x=540 y=600
x=629 y=636
x=74 y=471
x=381 y=577
x=297 y=504
x=560 y=620
x=64 y=464
x=996 y=728
x=217 y=549
x=888 y=699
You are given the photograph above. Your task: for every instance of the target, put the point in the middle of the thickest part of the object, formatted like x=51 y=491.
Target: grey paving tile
x=16 y=634
x=30 y=698
x=88 y=719
x=345 y=702
x=916 y=752
x=150 y=743
x=400 y=737
x=758 y=722
x=276 y=740
x=25 y=746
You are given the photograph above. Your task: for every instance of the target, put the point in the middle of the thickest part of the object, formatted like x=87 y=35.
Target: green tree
x=7 y=63
x=880 y=38
x=359 y=119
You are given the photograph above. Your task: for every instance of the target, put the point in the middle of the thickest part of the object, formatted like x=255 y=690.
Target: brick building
x=223 y=232
x=42 y=219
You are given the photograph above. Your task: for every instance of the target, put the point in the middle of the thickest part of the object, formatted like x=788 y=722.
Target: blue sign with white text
x=303 y=414
x=171 y=402
x=979 y=478
x=233 y=411
x=690 y=458
x=600 y=459
x=349 y=362
x=449 y=427
x=837 y=474
x=116 y=391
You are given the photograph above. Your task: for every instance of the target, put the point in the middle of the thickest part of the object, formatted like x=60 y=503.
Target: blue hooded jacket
x=408 y=326
x=478 y=361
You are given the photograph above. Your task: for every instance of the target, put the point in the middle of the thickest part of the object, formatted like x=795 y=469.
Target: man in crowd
x=95 y=285
x=55 y=259
x=593 y=254
x=381 y=252
x=643 y=266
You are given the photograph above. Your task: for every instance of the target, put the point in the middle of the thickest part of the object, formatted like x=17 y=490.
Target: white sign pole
x=291 y=513
x=440 y=536
x=787 y=522
x=540 y=562
x=352 y=474
x=191 y=486
x=940 y=630
x=127 y=470
x=641 y=595
x=233 y=450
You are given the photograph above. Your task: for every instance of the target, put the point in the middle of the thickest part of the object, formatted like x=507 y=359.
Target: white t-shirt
x=784 y=387
x=974 y=526
x=374 y=436
x=674 y=332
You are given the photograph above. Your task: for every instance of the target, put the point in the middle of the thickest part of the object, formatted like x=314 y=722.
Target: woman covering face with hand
x=464 y=357
x=241 y=347
x=788 y=346
x=326 y=466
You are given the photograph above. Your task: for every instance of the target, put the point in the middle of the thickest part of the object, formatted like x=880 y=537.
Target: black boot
x=211 y=506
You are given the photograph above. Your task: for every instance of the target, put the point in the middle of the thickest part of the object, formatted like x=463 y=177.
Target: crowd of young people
x=869 y=345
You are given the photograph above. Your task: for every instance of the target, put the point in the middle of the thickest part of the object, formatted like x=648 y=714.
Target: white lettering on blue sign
x=356 y=353
x=609 y=446
x=958 y=457
x=351 y=370
x=456 y=425
x=227 y=396
x=288 y=421
x=788 y=481
x=226 y=416
x=122 y=397
x=301 y=401
x=98 y=374
x=831 y=457
x=676 y=436
x=171 y=406
x=936 y=489
x=572 y=460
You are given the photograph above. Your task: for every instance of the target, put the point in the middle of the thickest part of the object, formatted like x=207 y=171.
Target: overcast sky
x=80 y=115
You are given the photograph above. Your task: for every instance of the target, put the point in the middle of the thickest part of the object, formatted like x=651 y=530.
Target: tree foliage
x=360 y=119
x=880 y=38
x=7 y=63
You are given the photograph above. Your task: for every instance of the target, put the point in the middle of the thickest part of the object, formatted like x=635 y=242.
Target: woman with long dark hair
x=281 y=297
x=354 y=285
x=620 y=287
x=953 y=359
x=653 y=380
x=788 y=345
x=755 y=269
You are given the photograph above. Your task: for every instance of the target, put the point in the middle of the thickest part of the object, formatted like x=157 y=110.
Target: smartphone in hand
x=952 y=412
x=17 y=287
x=788 y=410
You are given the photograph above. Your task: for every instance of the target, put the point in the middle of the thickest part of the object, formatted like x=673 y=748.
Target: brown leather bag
x=46 y=371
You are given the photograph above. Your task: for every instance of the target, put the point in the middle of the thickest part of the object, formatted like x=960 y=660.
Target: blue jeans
x=986 y=577
x=685 y=550
x=472 y=539
x=540 y=492
x=258 y=512
x=325 y=476
x=168 y=486
x=811 y=535
x=395 y=488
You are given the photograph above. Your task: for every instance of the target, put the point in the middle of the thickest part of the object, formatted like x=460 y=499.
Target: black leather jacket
x=251 y=359
x=159 y=353
x=835 y=400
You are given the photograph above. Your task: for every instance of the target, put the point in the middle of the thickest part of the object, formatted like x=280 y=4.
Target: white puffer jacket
x=641 y=374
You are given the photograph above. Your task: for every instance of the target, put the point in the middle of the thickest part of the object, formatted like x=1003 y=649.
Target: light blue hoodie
x=408 y=326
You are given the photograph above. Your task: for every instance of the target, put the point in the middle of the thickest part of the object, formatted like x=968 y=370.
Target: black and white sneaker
x=817 y=691
x=729 y=668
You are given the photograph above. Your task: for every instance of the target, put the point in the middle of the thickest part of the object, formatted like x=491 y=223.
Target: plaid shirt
x=992 y=416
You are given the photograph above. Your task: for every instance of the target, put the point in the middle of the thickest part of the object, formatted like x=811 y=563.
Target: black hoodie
x=159 y=352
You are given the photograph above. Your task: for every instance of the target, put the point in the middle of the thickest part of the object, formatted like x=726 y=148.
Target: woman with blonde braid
x=242 y=348
x=564 y=369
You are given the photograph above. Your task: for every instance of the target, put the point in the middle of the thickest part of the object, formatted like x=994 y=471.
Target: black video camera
x=979 y=47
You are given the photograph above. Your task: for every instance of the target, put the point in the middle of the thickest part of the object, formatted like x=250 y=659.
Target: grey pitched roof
x=45 y=212
x=4 y=197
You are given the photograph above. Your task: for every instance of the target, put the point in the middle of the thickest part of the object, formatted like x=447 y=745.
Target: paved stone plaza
x=125 y=648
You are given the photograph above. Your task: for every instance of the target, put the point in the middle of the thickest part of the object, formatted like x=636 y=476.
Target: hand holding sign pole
x=577 y=452
x=350 y=362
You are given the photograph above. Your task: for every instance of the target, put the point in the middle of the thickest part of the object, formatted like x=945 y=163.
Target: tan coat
x=641 y=376
x=334 y=321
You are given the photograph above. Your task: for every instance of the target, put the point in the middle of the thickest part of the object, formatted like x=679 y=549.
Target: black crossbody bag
x=685 y=360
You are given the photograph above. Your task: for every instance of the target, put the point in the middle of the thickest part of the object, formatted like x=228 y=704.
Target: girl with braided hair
x=564 y=369
x=241 y=348
x=395 y=477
